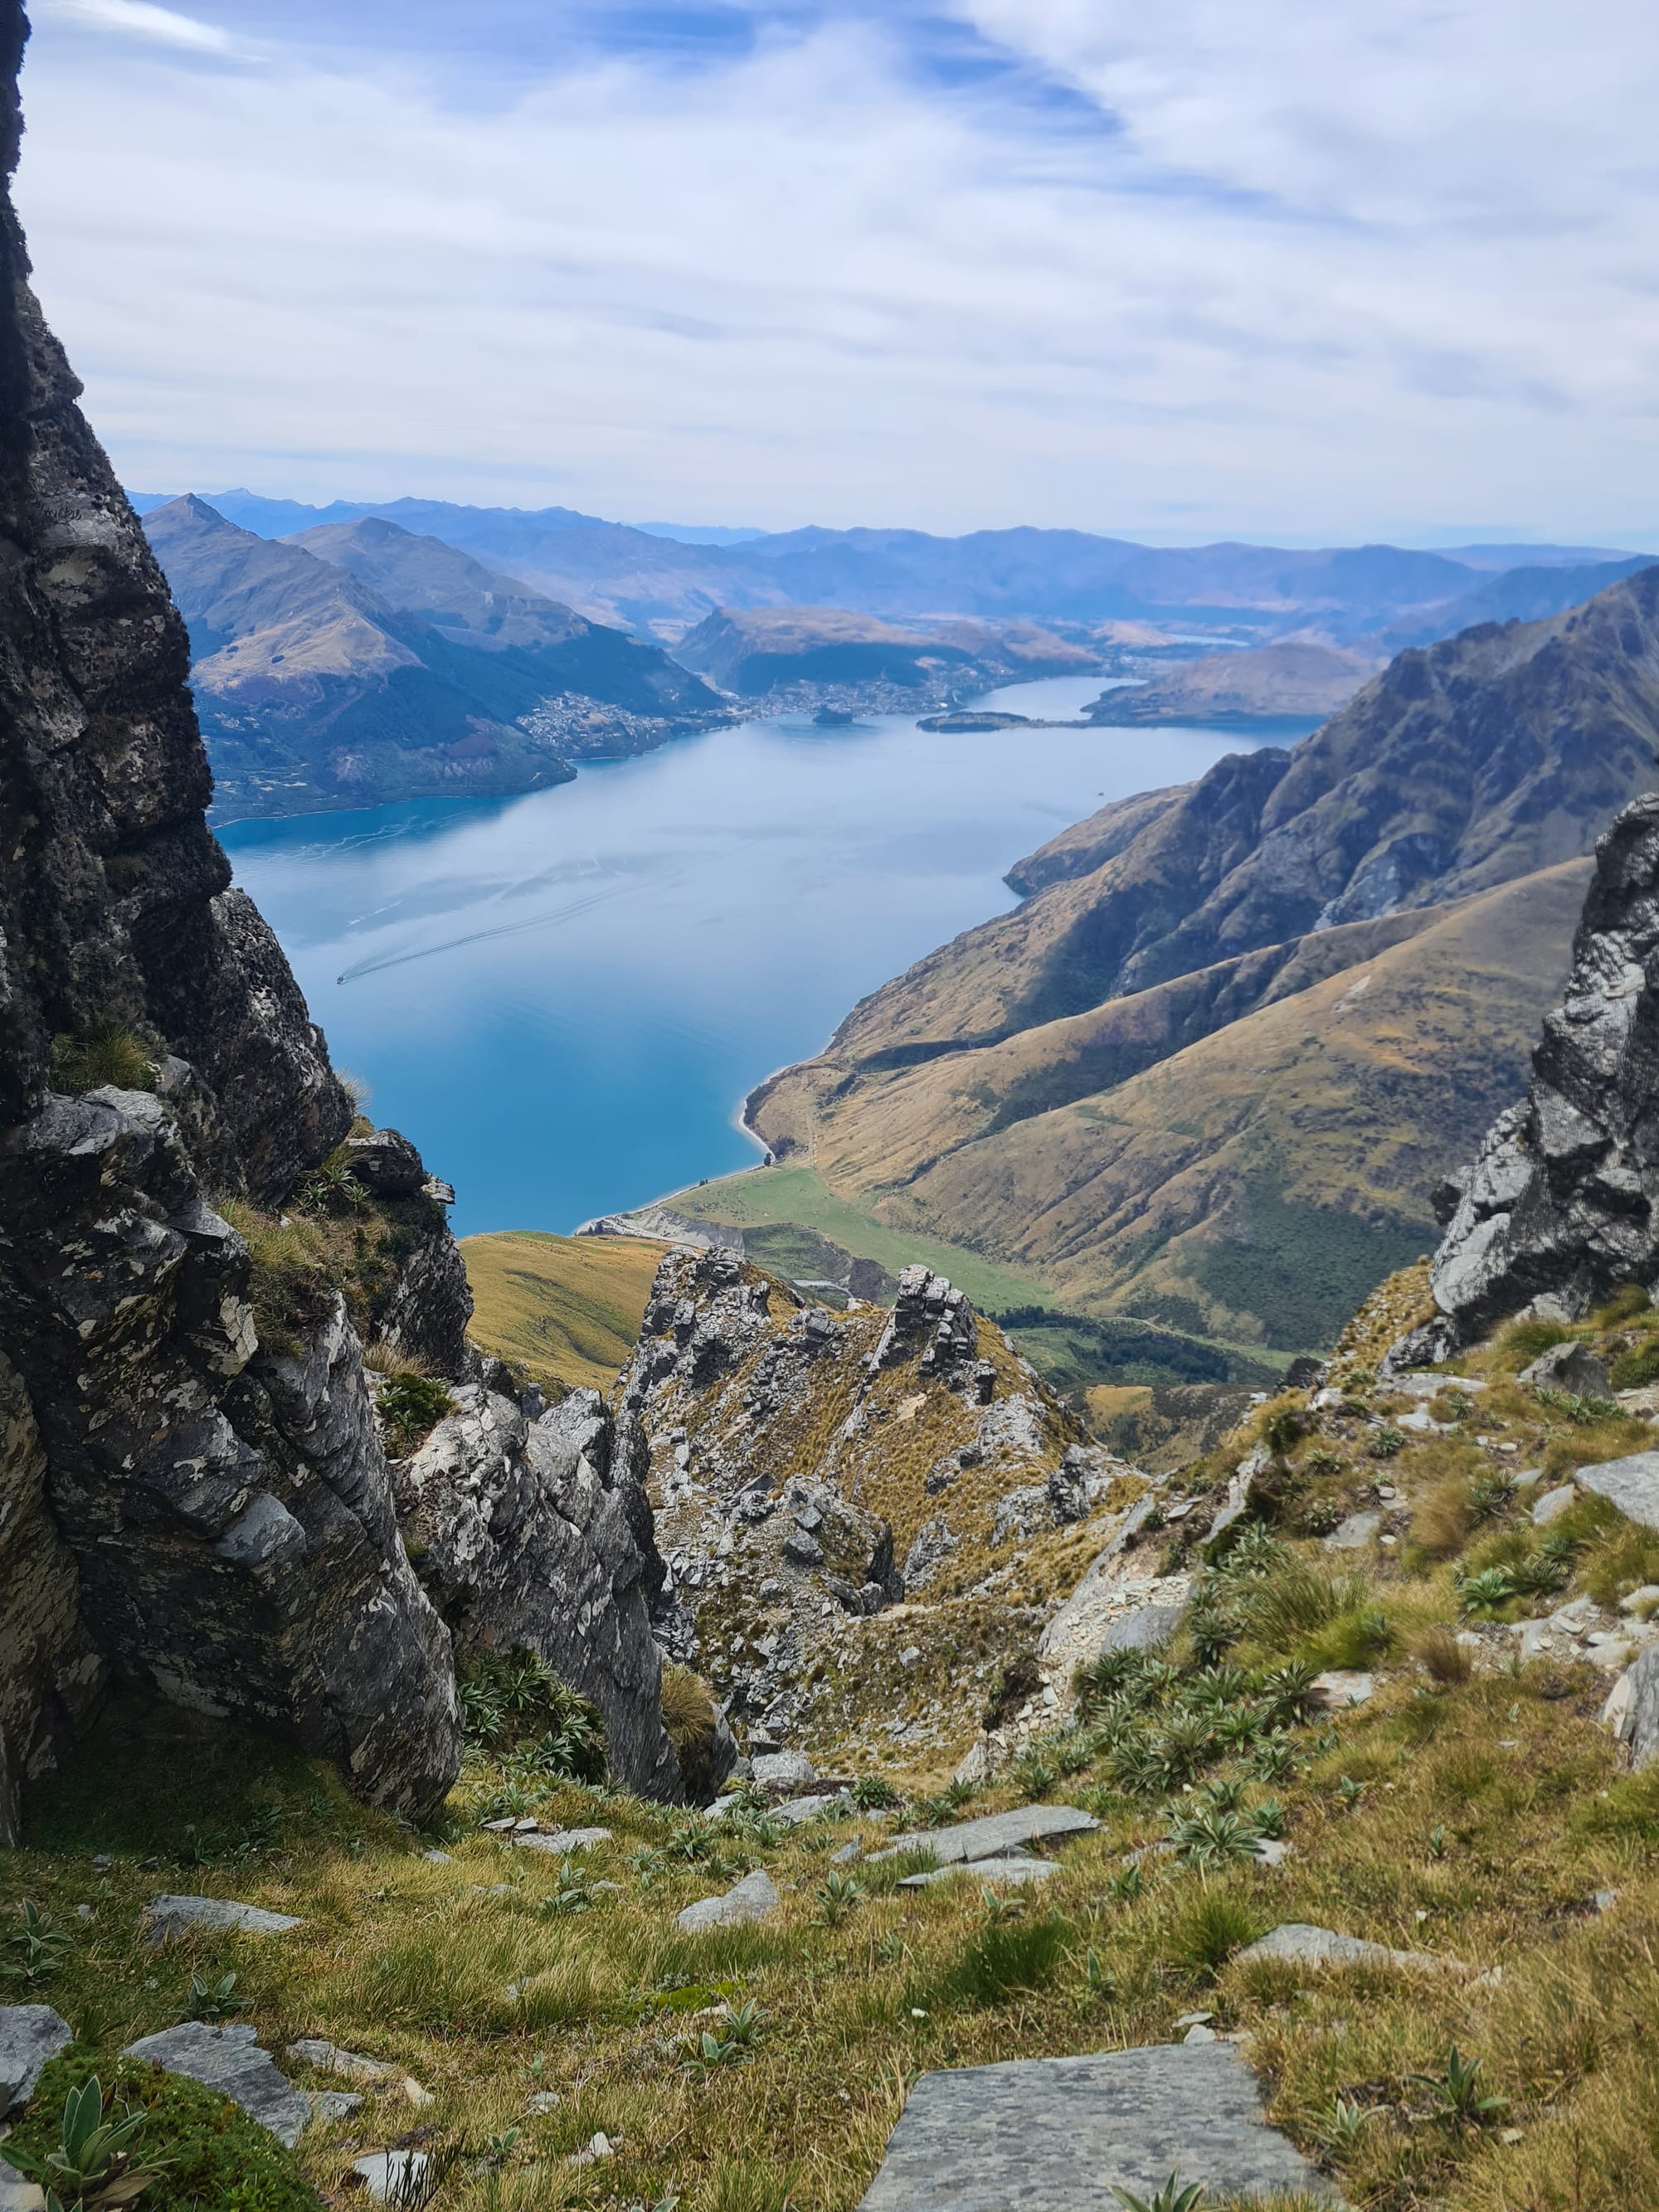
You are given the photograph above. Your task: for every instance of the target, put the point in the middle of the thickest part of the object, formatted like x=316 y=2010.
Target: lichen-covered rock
x=537 y=1533
x=1559 y=1205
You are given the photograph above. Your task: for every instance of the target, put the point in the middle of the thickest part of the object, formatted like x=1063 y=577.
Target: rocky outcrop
x=536 y=1533
x=1559 y=1208
x=226 y=1507
x=795 y=1454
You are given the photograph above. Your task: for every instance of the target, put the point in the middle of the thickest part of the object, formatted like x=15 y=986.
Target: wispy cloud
x=1258 y=267
x=138 y=18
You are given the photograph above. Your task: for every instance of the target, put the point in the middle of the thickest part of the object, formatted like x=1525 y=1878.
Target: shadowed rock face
x=191 y=1511
x=1560 y=1203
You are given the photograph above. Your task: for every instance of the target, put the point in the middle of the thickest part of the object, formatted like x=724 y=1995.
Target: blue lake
x=563 y=999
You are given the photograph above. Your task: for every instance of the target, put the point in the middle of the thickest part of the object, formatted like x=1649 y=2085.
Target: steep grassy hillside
x=565 y=1309
x=1253 y=1184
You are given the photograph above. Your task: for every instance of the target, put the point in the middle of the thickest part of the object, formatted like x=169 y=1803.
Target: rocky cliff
x=194 y=1491
x=1562 y=1205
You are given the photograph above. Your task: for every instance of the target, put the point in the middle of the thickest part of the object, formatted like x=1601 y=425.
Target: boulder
x=754 y=1898
x=1632 y=1485
x=386 y=1162
x=783 y=1769
x=30 y=2035
x=563 y=1841
x=1353 y=1534
x=1148 y=1628
x=1058 y=2134
x=1554 y=1504
x=405 y=2179
x=1571 y=1367
x=991 y=1836
x=229 y=2060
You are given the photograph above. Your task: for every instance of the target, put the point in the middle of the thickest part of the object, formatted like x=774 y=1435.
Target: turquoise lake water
x=563 y=999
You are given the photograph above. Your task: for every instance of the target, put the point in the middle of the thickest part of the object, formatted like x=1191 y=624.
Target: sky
x=1280 y=269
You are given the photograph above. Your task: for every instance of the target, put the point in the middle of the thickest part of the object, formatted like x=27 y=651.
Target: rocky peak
x=1562 y=1204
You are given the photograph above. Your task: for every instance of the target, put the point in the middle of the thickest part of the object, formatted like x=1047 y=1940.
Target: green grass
x=760 y=1196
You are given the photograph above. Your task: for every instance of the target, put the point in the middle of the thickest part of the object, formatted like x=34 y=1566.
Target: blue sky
x=1257 y=267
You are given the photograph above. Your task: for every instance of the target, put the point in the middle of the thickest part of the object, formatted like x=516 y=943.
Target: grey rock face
x=30 y=2035
x=1056 y=2135
x=538 y=1533
x=995 y=1834
x=1355 y=1533
x=228 y=1508
x=229 y=2060
x=1559 y=1203
x=755 y=1897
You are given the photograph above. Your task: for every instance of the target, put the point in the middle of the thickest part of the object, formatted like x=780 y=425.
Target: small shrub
x=1212 y=1836
x=38 y=1947
x=1386 y=1442
x=1487 y=1592
x=1003 y=1961
x=1522 y=1341
x=1458 y=2092
x=512 y=1701
x=203 y=2150
x=838 y=1895
x=1438 y=1652
x=693 y=1726
x=1212 y=1926
x=109 y=1056
x=1635 y=1369
x=1581 y=1411
x=410 y=1406
x=874 y=1792
x=1443 y=1519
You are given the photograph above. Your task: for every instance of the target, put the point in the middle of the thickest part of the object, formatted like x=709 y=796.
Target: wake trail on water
x=550 y=921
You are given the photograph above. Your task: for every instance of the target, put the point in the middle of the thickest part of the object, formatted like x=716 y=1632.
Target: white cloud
x=1329 y=271
x=140 y=20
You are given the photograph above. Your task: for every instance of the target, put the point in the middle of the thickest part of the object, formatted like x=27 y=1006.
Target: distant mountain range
x=662 y=585
x=359 y=663
x=1209 y=1072
x=789 y=656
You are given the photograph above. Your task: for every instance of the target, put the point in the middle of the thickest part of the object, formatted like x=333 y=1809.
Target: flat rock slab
x=1632 y=1485
x=178 y=1916
x=229 y=2060
x=1554 y=1503
x=563 y=1841
x=991 y=1836
x=1149 y=1628
x=752 y=1898
x=1340 y=1687
x=1353 y=1534
x=30 y=2036
x=1304 y=1946
x=985 y=1870
x=1058 y=2134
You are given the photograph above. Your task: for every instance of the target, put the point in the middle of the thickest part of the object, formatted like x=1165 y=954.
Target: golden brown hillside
x=1252 y=1184
x=566 y=1310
